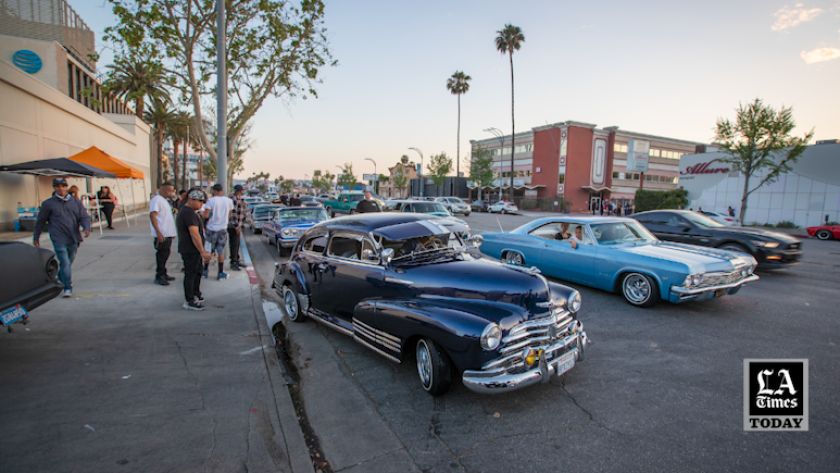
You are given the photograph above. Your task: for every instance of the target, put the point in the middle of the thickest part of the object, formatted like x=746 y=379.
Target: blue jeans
x=66 y=254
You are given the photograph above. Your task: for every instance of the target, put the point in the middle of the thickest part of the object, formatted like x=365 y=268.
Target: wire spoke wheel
x=514 y=258
x=290 y=303
x=424 y=364
x=824 y=235
x=639 y=290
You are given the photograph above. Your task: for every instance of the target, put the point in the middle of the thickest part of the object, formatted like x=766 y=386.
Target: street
x=661 y=388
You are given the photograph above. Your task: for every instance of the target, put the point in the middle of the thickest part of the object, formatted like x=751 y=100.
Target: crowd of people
x=607 y=207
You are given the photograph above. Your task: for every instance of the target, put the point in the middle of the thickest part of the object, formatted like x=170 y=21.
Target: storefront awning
x=95 y=157
x=596 y=189
x=506 y=187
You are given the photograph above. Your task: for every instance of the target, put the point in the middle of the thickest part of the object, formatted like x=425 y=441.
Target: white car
x=454 y=205
x=722 y=218
x=504 y=207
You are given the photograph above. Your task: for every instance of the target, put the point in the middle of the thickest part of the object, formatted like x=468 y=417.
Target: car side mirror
x=369 y=255
x=386 y=255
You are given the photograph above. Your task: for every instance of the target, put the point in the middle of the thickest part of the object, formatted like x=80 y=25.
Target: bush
x=528 y=204
x=548 y=204
x=786 y=224
x=832 y=224
x=769 y=225
x=657 y=200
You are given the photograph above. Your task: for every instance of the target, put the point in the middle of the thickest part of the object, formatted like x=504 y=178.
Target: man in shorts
x=217 y=211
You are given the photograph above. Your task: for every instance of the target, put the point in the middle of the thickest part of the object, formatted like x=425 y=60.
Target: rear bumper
x=681 y=294
x=495 y=382
x=37 y=297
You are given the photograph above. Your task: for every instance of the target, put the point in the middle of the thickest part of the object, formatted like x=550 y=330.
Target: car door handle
x=404 y=282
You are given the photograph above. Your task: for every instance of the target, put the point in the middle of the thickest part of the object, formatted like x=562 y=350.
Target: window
x=620 y=148
x=316 y=244
x=346 y=246
x=655 y=152
x=635 y=177
x=561 y=179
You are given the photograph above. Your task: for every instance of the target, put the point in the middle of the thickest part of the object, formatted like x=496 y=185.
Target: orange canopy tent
x=97 y=158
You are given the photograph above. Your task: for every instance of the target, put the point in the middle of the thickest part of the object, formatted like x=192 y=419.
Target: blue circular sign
x=27 y=60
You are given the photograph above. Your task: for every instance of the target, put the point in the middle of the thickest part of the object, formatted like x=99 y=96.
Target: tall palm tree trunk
x=512 y=126
x=458 y=145
x=184 y=174
x=159 y=156
x=174 y=164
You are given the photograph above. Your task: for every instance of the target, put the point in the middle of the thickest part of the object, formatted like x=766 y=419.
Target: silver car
x=455 y=205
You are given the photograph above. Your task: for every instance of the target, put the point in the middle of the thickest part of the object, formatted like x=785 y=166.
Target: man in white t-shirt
x=163 y=230
x=577 y=239
x=217 y=213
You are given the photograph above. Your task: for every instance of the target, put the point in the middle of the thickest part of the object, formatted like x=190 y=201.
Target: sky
x=658 y=67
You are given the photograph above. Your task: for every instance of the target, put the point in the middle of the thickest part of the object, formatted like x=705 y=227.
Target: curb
x=249 y=266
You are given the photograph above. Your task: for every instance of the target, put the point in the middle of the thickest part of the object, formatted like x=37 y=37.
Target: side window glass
x=316 y=244
x=345 y=246
x=674 y=221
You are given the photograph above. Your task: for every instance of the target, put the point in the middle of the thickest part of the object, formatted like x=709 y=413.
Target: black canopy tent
x=57 y=167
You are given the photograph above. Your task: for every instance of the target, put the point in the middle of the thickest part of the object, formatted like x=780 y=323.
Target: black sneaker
x=169 y=278
x=199 y=299
x=161 y=281
x=235 y=267
x=192 y=306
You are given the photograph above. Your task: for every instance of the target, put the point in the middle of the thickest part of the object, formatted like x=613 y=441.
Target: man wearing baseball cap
x=65 y=215
x=237 y=221
x=191 y=246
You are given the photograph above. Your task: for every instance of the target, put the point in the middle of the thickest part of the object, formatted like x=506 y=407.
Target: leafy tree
x=439 y=166
x=159 y=116
x=348 y=178
x=322 y=179
x=458 y=84
x=400 y=177
x=655 y=200
x=481 y=171
x=404 y=159
x=287 y=185
x=759 y=143
x=134 y=76
x=508 y=40
x=274 y=49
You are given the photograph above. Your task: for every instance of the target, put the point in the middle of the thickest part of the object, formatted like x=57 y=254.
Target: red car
x=825 y=232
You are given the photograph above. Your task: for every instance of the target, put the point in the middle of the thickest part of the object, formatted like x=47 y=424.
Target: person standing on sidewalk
x=217 y=212
x=106 y=199
x=191 y=246
x=237 y=220
x=65 y=214
x=163 y=230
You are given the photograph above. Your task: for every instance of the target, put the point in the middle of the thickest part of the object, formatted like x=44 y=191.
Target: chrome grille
x=532 y=333
x=716 y=279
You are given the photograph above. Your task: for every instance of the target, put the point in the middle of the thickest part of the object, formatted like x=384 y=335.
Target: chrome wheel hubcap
x=291 y=303
x=424 y=364
x=636 y=288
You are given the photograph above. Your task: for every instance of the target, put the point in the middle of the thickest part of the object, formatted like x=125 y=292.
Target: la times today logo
x=776 y=395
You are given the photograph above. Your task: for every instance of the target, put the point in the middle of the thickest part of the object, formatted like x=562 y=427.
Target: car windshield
x=428 y=207
x=264 y=212
x=302 y=214
x=700 y=220
x=616 y=233
x=356 y=197
x=426 y=249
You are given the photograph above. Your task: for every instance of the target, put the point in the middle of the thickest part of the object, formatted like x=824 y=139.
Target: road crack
x=585 y=411
x=201 y=395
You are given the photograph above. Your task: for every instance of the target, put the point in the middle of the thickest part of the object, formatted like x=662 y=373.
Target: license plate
x=565 y=363
x=12 y=314
x=720 y=293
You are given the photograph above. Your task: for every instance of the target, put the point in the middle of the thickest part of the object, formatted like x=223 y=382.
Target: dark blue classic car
x=289 y=223
x=30 y=279
x=404 y=285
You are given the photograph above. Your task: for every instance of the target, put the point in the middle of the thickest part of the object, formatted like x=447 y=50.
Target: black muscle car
x=770 y=249
x=404 y=286
x=28 y=280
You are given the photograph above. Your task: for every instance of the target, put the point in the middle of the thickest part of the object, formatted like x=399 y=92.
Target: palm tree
x=458 y=84
x=135 y=78
x=509 y=39
x=160 y=116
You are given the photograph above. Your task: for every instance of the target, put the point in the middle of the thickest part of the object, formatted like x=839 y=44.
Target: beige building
x=44 y=115
x=387 y=188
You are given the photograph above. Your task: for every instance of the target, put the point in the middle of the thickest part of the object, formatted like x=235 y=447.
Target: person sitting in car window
x=577 y=239
x=564 y=232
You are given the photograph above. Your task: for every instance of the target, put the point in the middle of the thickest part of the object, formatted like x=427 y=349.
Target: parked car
x=771 y=249
x=504 y=207
x=479 y=206
x=255 y=203
x=345 y=203
x=721 y=218
x=403 y=285
x=29 y=280
x=454 y=205
x=825 y=232
x=289 y=223
x=619 y=255
x=260 y=215
x=310 y=201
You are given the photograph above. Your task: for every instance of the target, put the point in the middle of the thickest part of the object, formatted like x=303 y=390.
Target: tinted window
x=345 y=247
x=701 y=220
x=356 y=197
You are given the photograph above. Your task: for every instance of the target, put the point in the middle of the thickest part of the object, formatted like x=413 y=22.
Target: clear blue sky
x=660 y=67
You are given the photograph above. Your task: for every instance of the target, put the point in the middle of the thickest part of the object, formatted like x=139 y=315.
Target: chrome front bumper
x=500 y=381
x=686 y=293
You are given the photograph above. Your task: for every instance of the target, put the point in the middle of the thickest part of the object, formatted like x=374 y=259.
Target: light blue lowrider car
x=289 y=223
x=619 y=254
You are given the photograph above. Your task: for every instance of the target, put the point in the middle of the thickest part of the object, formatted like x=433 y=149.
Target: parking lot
x=661 y=388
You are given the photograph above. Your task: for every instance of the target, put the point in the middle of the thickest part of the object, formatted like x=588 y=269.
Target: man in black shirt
x=284 y=199
x=368 y=205
x=295 y=201
x=191 y=246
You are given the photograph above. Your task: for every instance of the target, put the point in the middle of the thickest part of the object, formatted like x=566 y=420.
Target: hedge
x=656 y=200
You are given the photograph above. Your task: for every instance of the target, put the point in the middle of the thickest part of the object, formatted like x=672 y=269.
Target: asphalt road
x=661 y=388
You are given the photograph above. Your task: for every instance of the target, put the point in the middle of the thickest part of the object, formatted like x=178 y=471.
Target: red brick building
x=583 y=163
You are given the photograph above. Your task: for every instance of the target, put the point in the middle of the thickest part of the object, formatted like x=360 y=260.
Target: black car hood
x=757 y=232
x=483 y=280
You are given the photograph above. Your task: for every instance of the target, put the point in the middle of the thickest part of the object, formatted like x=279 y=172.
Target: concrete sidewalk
x=121 y=378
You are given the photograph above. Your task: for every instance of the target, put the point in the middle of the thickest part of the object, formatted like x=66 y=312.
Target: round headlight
x=744 y=272
x=687 y=282
x=575 y=302
x=286 y=232
x=491 y=337
x=696 y=279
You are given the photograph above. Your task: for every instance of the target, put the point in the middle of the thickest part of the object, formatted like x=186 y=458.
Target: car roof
x=586 y=219
x=369 y=222
x=283 y=209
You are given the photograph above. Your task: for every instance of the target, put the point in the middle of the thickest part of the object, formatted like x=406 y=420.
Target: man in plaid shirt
x=237 y=220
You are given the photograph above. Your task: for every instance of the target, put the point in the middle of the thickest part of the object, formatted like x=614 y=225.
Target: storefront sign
x=638 y=155
x=706 y=168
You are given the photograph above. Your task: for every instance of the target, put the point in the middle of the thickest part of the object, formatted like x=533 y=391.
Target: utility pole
x=420 y=174
x=221 y=97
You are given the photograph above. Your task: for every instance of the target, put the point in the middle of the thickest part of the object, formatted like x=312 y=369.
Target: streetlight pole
x=375 y=182
x=501 y=136
x=420 y=174
x=307 y=178
x=221 y=97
